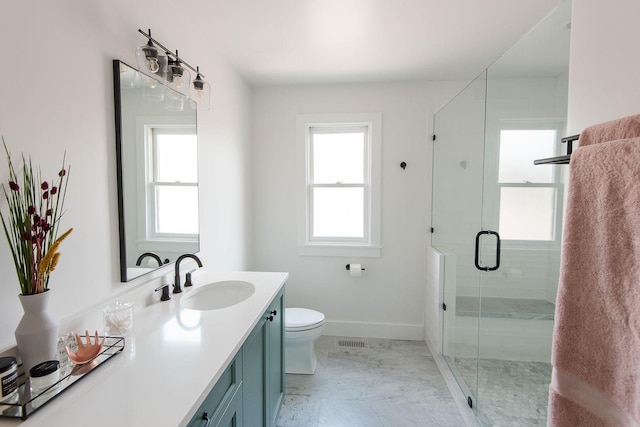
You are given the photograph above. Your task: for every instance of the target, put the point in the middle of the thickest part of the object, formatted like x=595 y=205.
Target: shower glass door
x=526 y=113
x=458 y=170
x=498 y=321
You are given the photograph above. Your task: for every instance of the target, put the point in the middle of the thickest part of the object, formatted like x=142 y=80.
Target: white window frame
x=557 y=184
x=145 y=240
x=370 y=245
x=153 y=183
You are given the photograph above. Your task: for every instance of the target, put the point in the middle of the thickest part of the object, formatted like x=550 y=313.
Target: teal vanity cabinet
x=275 y=359
x=263 y=368
x=251 y=389
x=223 y=405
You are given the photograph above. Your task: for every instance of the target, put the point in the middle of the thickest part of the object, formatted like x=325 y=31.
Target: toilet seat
x=302 y=319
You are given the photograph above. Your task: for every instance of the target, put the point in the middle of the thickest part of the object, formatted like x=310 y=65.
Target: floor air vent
x=352 y=344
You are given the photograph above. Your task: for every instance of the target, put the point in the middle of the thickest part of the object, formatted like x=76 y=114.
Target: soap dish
x=86 y=352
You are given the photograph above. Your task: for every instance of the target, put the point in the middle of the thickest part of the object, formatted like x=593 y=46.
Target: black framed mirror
x=156 y=158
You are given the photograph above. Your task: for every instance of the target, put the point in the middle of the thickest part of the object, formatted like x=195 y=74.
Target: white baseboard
x=398 y=331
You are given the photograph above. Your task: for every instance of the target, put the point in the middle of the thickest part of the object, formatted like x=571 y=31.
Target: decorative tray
x=28 y=403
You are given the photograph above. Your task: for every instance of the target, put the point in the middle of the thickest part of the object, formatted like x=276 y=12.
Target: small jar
x=44 y=375
x=118 y=318
x=8 y=377
x=63 y=357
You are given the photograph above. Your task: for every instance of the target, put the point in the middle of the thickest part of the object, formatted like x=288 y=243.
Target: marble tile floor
x=387 y=383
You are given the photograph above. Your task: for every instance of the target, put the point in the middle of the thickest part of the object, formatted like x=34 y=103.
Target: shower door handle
x=477 y=255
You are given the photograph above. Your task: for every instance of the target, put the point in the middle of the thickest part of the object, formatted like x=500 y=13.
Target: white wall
x=604 y=75
x=59 y=97
x=388 y=300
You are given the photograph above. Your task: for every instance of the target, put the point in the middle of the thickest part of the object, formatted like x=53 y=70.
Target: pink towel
x=596 y=341
x=628 y=127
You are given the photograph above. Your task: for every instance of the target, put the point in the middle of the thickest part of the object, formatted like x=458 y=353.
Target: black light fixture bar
x=169 y=52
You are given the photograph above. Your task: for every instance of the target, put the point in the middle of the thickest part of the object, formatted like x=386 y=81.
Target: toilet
x=302 y=327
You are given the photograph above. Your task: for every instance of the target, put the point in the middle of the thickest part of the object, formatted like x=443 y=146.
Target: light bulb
x=177 y=75
x=151 y=82
x=151 y=55
x=198 y=86
x=177 y=81
x=172 y=94
x=152 y=90
x=152 y=64
x=150 y=59
x=201 y=90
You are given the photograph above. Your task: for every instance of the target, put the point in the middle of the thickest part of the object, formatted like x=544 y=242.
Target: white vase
x=37 y=332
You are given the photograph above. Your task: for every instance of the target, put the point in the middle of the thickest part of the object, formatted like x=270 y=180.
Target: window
x=529 y=195
x=172 y=193
x=340 y=184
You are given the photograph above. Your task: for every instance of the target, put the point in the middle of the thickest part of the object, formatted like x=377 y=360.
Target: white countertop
x=168 y=366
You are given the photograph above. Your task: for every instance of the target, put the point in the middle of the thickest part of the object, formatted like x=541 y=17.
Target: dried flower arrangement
x=31 y=225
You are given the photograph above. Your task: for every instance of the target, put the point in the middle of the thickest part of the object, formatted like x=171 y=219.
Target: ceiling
x=275 y=42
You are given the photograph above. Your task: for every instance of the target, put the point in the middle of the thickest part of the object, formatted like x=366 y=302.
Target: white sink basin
x=218 y=295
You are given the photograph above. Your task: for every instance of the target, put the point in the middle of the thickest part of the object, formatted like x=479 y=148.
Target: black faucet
x=176 y=285
x=165 y=292
x=149 y=254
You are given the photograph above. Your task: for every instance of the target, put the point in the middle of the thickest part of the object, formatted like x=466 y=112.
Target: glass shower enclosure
x=497 y=221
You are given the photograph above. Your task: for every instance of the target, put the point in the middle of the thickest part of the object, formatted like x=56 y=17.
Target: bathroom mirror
x=156 y=150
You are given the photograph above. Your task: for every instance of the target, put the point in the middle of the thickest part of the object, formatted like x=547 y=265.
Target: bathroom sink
x=218 y=295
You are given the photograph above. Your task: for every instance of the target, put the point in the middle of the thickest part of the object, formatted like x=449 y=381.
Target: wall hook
x=349 y=267
x=403 y=165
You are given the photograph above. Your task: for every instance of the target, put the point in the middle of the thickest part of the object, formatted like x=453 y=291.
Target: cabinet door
x=225 y=391
x=233 y=416
x=275 y=360
x=254 y=375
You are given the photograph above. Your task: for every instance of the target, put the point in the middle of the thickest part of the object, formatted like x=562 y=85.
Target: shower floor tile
x=509 y=393
x=384 y=383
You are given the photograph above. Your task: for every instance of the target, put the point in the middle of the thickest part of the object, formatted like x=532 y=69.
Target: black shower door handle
x=477 y=255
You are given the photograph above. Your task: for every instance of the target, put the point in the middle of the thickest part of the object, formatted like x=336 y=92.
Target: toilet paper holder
x=349 y=267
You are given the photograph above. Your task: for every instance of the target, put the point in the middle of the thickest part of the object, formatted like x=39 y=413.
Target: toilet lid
x=302 y=318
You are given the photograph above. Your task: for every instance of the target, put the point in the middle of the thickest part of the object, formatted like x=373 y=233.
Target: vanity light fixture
x=201 y=90
x=177 y=75
x=150 y=59
x=169 y=68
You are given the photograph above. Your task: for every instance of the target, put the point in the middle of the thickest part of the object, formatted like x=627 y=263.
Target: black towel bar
x=560 y=160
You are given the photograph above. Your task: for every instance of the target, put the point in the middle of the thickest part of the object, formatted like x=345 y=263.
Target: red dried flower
x=54 y=190
x=62 y=173
x=45 y=195
x=44 y=185
x=49 y=212
x=14 y=186
x=31 y=210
